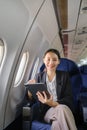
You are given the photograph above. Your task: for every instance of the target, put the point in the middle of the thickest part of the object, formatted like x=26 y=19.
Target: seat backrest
x=75 y=77
x=83 y=71
x=83 y=90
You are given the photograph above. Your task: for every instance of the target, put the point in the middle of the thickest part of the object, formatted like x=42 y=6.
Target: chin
x=52 y=69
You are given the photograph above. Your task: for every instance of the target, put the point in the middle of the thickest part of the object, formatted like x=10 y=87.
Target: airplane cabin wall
x=25 y=26
x=14 y=26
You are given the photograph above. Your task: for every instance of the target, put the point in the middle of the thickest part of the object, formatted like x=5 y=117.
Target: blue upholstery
x=76 y=82
x=83 y=70
x=40 y=126
x=75 y=77
x=83 y=91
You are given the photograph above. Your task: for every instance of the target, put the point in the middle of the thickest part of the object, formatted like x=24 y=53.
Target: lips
x=51 y=66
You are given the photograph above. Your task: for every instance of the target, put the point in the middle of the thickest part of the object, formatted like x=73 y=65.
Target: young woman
x=58 y=108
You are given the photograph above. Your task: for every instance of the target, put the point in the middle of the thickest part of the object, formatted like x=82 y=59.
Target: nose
x=51 y=62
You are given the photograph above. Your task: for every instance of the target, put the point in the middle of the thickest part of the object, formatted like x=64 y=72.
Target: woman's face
x=51 y=61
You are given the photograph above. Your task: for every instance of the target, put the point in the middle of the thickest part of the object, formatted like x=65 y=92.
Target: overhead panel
x=62 y=13
x=81 y=31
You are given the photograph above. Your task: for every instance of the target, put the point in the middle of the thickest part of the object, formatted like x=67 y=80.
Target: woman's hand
x=42 y=97
x=29 y=94
x=32 y=81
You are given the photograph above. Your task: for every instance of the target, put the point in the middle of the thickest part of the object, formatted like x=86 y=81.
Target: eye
x=54 y=59
x=48 y=59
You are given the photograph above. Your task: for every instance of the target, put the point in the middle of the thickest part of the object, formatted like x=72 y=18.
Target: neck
x=51 y=75
x=51 y=72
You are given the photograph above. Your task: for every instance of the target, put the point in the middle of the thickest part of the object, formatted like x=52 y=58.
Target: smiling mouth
x=51 y=66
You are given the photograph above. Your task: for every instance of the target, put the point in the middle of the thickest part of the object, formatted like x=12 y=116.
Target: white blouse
x=51 y=87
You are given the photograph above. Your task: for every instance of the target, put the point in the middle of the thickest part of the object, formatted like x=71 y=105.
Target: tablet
x=34 y=88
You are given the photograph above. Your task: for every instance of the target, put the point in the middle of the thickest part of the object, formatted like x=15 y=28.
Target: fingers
x=41 y=94
x=51 y=97
x=41 y=97
x=32 y=81
x=29 y=94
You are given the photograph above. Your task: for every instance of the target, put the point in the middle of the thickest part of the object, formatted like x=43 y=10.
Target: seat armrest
x=83 y=109
x=26 y=117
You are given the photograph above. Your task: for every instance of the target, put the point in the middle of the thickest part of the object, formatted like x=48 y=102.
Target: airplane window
x=35 y=68
x=2 y=51
x=21 y=69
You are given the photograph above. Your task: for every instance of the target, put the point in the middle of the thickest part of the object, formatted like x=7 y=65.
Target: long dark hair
x=53 y=51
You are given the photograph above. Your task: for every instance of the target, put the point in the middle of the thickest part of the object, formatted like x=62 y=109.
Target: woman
x=58 y=108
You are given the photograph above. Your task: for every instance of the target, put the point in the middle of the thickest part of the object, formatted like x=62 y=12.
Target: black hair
x=53 y=51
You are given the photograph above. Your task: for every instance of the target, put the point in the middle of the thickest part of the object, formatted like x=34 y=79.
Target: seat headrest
x=83 y=69
x=68 y=65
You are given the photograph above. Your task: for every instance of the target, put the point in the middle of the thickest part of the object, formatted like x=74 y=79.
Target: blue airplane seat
x=83 y=92
x=36 y=125
x=83 y=71
x=75 y=77
x=76 y=82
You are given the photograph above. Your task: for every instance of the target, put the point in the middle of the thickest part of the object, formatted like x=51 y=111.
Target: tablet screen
x=34 y=88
